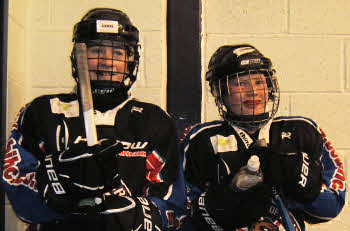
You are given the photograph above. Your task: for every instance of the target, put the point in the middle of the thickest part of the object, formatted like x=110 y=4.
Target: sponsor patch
x=224 y=143
x=69 y=110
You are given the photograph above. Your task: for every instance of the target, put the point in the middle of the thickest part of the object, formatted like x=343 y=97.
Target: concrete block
x=145 y=15
x=302 y=64
x=149 y=95
x=319 y=17
x=16 y=49
x=245 y=17
x=18 y=12
x=49 y=64
x=329 y=111
x=150 y=69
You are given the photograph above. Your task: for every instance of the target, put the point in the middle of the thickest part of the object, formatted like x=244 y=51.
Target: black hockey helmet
x=105 y=27
x=232 y=63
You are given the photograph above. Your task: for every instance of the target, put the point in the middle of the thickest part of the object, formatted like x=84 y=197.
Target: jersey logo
x=174 y=221
x=11 y=173
x=137 y=109
x=134 y=145
x=338 y=180
x=133 y=154
x=304 y=170
x=286 y=135
x=264 y=225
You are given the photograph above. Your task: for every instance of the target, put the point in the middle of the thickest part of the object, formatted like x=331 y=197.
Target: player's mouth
x=251 y=104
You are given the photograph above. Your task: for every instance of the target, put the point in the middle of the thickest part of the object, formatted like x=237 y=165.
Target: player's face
x=107 y=63
x=248 y=94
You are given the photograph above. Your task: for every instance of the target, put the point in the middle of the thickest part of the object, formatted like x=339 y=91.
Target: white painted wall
x=308 y=42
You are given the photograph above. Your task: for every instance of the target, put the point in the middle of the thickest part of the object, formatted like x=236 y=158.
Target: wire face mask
x=244 y=85
x=247 y=99
x=110 y=63
x=113 y=56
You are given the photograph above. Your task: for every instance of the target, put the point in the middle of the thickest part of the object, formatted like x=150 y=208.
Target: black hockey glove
x=64 y=178
x=302 y=176
x=126 y=213
x=298 y=174
x=270 y=164
x=223 y=208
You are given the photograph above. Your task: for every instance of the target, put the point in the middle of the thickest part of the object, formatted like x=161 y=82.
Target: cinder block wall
x=39 y=46
x=308 y=42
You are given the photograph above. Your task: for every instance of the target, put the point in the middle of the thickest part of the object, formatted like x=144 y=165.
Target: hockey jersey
x=216 y=149
x=147 y=165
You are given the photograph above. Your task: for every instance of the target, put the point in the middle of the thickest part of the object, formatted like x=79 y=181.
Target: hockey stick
x=85 y=94
x=87 y=103
x=286 y=221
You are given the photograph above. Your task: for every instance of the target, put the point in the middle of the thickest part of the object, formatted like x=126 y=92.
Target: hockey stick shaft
x=85 y=93
x=287 y=222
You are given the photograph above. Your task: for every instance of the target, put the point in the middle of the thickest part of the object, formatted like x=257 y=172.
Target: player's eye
x=119 y=53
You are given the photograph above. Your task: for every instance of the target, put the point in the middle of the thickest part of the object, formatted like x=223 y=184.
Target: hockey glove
x=269 y=164
x=302 y=176
x=220 y=207
x=298 y=174
x=126 y=213
x=80 y=171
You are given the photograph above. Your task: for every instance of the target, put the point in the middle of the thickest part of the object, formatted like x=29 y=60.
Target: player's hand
x=299 y=174
x=125 y=212
x=302 y=176
x=229 y=209
x=80 y=171
x=270 y=164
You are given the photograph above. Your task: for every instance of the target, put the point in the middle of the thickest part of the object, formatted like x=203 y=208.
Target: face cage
x=221 y=89
x=122 y=64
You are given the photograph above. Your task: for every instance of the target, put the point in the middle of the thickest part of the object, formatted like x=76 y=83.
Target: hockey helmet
x=105 y=28
x=233 y=70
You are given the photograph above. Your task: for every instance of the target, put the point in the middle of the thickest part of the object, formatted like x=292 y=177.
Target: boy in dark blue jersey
x=297 y=160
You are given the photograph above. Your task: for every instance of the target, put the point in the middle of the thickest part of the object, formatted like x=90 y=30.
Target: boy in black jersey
x=295 y=154
x=126 y=181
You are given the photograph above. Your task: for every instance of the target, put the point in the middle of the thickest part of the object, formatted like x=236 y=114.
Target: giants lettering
x=338 y=180
x=11 y=173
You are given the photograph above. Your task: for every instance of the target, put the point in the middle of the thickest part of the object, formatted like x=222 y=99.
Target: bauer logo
x=107 y=26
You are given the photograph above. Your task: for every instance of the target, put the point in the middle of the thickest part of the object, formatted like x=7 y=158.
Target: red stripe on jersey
x=154 y=165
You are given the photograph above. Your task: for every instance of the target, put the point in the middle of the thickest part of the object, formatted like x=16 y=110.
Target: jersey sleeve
x=19 y=167
x=331 y=199
x=165 y=175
